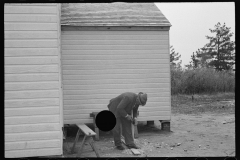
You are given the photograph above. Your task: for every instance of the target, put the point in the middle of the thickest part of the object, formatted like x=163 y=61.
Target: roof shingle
x=112 y=14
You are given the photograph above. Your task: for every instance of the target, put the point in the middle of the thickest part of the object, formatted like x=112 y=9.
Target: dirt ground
x=204 y=132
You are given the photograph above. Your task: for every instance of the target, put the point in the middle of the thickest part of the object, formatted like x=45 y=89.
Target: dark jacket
x=123 y=105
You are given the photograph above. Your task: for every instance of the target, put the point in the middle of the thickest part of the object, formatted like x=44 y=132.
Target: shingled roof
x=112 y=14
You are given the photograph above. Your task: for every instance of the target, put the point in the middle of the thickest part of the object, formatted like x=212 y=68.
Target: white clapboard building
x=65 y=61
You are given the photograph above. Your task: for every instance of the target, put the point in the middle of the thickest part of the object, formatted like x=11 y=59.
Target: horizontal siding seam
x=42 y=56
x=29 y=149
x=32 y=124
x=135 y=50
x=32 y=13
x=31 y=99
x=107 y=99
x=110 y=84
x=45 y=107
x=77 y=94
x=35 y=81
x=56 y=106
x=32 y=65
x=103 y=55
x=30 y=47
x=35 y=116
x=79 y=72
x=28 y=82
x=12 y=142
x=32 y=74
x=28 y=22
x=25 y=56
x=57 y=132
x=105 y=49
x=112 y=45
x=20 y=90
x=37 y=91
x=94 y=90
x=31 y=39
x=30 y=30
x=116 y=60
x=112 y=79
x=66 y=34
x=14 y=40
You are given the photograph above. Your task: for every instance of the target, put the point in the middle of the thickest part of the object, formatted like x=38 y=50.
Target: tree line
x=210 y=67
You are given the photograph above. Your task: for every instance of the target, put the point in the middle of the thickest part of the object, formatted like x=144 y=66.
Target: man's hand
x=129 y=118
x=135 y=122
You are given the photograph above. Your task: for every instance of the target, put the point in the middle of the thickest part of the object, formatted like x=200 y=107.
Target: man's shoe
x=132 y=146
x=120 y=147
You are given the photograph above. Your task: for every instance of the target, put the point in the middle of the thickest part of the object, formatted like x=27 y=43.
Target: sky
x=191 y=23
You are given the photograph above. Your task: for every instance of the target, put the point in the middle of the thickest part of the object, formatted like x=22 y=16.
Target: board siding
x=100 y=65
x=31 y=144
x=33 y=152
x=33 y=124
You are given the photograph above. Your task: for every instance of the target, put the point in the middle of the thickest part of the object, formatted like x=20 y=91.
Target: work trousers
x=126 y=131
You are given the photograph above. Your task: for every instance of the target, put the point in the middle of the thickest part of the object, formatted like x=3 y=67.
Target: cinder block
x=165 y=126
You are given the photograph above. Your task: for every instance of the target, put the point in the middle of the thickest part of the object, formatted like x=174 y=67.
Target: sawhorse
x=88 y=134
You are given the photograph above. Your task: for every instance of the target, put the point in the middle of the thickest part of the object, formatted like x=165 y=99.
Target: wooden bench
x=88 y=134
x=94 y=115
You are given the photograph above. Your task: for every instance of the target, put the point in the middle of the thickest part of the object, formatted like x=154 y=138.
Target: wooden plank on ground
x=135 y=151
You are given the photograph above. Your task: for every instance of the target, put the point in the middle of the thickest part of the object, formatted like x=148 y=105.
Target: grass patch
x=201 y=80
x=214 y=103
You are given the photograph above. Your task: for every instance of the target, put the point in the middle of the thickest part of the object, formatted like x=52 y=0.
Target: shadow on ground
x=105 y=144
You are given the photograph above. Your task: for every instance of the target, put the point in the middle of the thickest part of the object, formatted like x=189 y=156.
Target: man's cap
x=142 y=98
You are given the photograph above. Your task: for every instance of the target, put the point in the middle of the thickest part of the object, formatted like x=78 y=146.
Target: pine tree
x=197 y=60
x=194 y=61
x=220 y=50
x=174 y=58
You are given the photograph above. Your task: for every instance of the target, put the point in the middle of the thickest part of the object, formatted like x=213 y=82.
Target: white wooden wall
x=32 y=80
x=100 y=65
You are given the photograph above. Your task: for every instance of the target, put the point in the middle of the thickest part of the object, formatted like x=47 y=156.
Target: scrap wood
x=134 y=151
x=127 y=151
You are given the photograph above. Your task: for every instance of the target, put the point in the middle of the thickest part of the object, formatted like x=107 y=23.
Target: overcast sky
x=191 y=23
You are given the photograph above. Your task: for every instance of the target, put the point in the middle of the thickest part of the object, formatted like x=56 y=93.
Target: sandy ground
x=192 y=135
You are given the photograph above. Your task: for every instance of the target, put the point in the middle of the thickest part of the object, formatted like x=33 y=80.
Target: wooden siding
x=100 y=65
x=33 y=124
